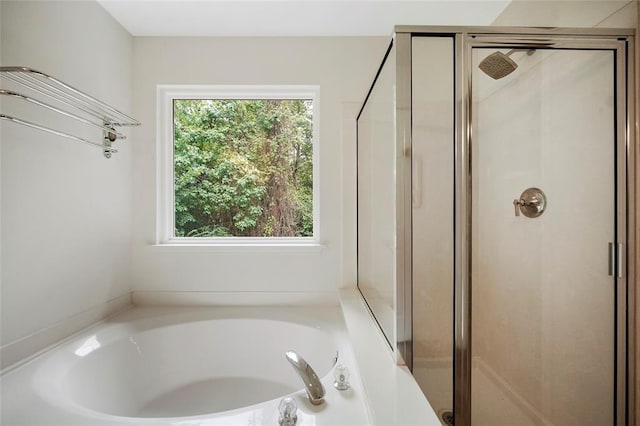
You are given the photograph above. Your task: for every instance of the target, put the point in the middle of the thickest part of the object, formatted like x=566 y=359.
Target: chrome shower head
x=498 y=64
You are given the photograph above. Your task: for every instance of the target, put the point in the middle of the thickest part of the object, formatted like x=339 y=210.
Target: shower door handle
x=616 y=253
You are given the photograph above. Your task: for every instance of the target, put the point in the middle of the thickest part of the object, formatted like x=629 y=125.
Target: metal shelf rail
x=67 y=101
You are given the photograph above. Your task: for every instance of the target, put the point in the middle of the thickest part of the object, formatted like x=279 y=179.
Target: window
x=238 y=165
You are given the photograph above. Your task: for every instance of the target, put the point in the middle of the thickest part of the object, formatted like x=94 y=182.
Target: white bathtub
x=187 y=366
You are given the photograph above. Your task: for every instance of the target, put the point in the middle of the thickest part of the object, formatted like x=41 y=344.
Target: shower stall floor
x=494 y=402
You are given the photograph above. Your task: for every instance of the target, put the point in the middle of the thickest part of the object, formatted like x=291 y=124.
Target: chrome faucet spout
x=312 y=383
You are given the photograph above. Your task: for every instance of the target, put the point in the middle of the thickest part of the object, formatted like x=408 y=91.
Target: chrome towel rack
x=69 y=102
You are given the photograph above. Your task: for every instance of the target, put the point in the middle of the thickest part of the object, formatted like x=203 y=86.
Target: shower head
x=498 y=64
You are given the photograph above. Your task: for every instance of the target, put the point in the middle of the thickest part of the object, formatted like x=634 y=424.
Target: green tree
x=243 y=168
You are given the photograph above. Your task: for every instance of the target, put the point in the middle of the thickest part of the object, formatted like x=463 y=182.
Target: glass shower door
x=543 y=213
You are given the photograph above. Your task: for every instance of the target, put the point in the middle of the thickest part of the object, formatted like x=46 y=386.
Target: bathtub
x=188 y=366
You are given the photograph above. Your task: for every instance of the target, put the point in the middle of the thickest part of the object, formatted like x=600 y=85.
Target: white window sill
x=234 y=245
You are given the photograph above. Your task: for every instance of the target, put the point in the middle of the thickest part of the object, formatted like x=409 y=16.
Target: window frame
x=165 y=206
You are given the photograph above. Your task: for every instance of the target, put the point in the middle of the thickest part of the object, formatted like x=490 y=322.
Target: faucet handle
x=288 y=409
x=341 y=374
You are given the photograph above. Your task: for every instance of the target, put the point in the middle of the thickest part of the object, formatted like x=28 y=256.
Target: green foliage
x=243 y=168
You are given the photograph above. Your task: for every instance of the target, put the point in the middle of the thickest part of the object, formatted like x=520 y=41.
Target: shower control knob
x=516 y=205
x=532 y=203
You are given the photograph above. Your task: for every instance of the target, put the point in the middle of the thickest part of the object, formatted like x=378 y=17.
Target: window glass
x=242 y=168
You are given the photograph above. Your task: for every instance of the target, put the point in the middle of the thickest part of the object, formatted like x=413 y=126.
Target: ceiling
x=294 y=17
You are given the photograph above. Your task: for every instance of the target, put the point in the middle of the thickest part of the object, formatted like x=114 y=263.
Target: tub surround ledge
x=22 y=350
x=235 y=298
x=393 y=396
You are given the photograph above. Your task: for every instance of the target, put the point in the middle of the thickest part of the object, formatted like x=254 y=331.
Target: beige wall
x=568 y=13
x=66 y=210
x=343 y=68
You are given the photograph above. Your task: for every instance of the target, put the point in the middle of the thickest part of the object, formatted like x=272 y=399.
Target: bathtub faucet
x=312 y=384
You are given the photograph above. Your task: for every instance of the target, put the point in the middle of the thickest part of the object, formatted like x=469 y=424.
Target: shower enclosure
x=495 y=220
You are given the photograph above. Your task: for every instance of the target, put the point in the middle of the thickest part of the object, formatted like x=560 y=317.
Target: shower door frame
x=620 y=41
